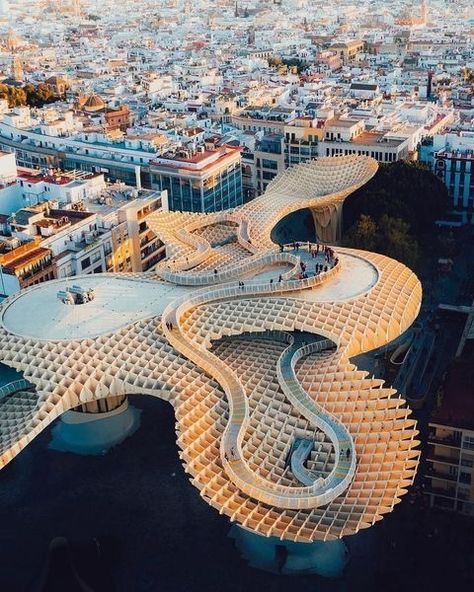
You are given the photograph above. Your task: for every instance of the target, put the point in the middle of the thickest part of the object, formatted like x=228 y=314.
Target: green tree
x=34 y=96
x=15 y=96
x=37 y=96
x=363 y=235
x=391 y=237
x=396 y=242
x=468 y=75
x=406 y=190
x=275 y=61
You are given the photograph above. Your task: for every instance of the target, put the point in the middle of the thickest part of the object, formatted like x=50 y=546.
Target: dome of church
x=94 y=103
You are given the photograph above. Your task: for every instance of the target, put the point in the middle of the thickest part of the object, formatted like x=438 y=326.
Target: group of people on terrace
x=329 y=258
x=312 y=249
x=347 y=453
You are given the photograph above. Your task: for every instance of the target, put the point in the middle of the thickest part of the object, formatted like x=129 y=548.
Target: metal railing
x=14 y=387
x=231 y=272
x=343 y=472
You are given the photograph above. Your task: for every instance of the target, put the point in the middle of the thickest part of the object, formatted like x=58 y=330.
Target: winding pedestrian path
x=319 y=492
x=341 y=440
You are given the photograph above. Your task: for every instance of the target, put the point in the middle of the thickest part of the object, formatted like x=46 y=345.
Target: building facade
x=44 y=243
x=25 y=266
x=449 y=476
x=451 y=157
x=343 y=137
x=206 y=180
x=296 y=143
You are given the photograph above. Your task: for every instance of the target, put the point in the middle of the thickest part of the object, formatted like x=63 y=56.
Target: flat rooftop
x=375 y=139
x=38 y=313
x=345 y=123
x=118 y=302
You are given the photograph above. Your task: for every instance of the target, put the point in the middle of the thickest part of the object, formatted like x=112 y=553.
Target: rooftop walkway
x=321 y=491
x=345 y=454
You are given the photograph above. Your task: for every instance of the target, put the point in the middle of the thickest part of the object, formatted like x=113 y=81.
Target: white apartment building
x=451 y=156
x=347 y=136
x=45 y=242
x=40 y=143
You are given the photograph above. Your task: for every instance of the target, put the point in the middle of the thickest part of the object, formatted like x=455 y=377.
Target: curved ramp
x=343 y=444
x=299 y=455
x=15 y=387
x=319 y=492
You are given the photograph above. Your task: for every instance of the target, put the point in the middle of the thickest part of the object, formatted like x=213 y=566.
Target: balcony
x=450 y=441
x=33 y=274
x=450 y=493
x=448 y=460
x=433 y=474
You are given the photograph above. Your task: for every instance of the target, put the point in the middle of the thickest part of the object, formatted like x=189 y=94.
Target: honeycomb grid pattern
x=192 y=365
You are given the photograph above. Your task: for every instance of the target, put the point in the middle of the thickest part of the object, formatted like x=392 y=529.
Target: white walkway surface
x=357 y=277
x=118 y=302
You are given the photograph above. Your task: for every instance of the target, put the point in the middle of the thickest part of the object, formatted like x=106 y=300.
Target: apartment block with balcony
x=449 y=474
x=269 y=159
x=296 y=143
x=66 y=144
x=348 y=136
x=25 y=266
x=302 y=139
x=41 y=243
x=145 y=247
x=451 y=157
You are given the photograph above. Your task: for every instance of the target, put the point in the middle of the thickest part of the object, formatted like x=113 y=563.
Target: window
x=269 y=164
x=268 y=176
x=85 y=263
x=468 y=442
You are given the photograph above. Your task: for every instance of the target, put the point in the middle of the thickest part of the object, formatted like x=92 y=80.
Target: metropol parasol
x=251 y=343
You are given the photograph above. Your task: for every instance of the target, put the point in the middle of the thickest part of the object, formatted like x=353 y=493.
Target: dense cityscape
x=236 y=295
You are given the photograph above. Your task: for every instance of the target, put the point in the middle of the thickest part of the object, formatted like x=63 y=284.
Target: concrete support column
x=101 y=405
x=328 y=223
x=90 y=430
x=325 y=558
